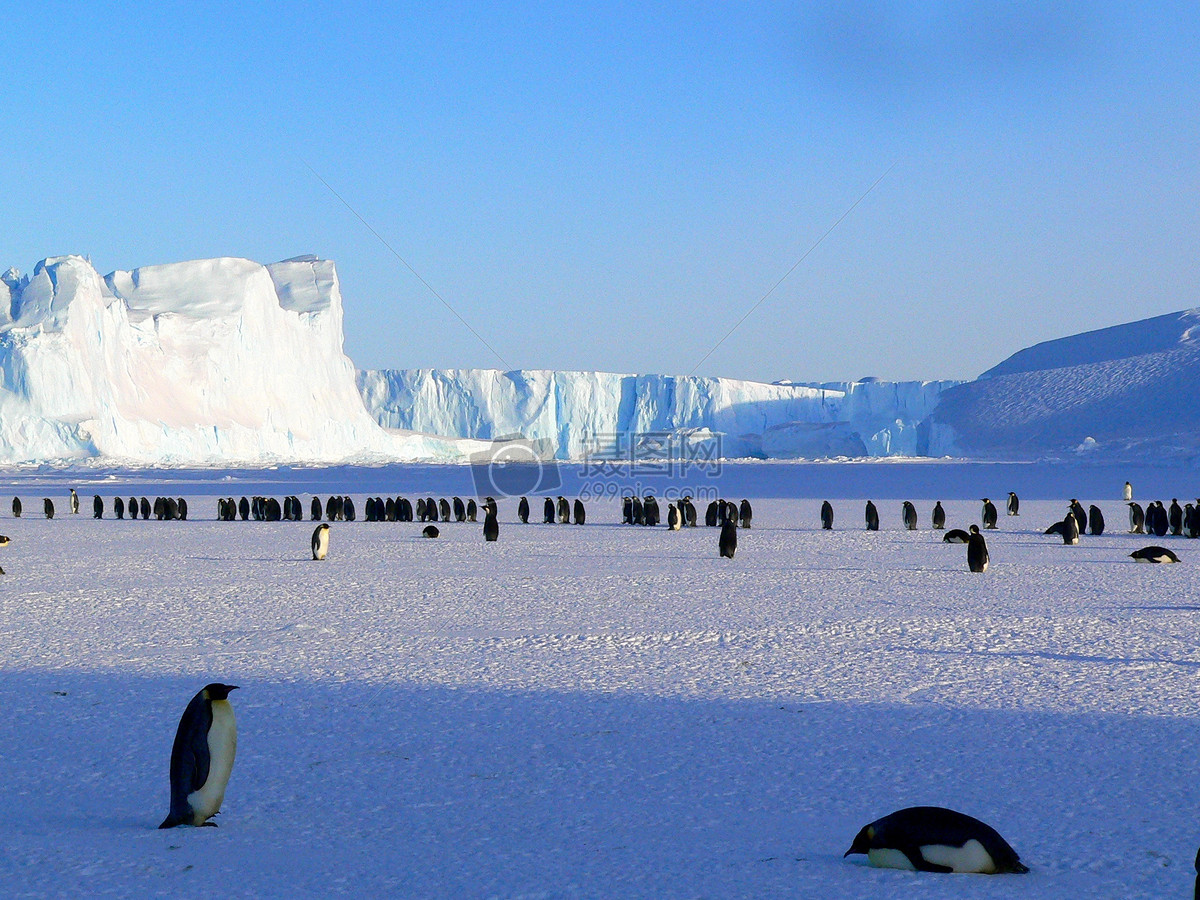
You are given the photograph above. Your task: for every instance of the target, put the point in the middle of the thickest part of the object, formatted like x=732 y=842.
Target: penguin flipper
x=920 y=863
x=189 y=759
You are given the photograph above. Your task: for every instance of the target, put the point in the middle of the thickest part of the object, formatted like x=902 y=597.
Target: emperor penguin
x=491 y=525
x=444 y=509
x=727 y=543
x=639 y=512
x=711 y=514
x=988 y=514
x=908 y=514
x=1128 y=495
x=934 y=839
x=1014 y=504
x=689 y=512
x=472 y=509
x=523 y=510
x=626 y=510
x=16 y=507
x=1095 y=520
x=315 y=510
x=430 y=531
x=956 y=536
x=1154 y=555
x=564 y=511
x=119 y=508
x=1070 y=530
x=650 y=511
x=97 y=507
x=673 y=521
x=872 y=517
x=939 y=516
x=202 y=757
x=1137 y=518
x=74 y=502
x=1175 y=517
x=320 y=541
x=579 y=512
x=977 y=552
x=548 y=512
x=48 y=507
x=460 y=509
x=746 y=513
x=827 y=515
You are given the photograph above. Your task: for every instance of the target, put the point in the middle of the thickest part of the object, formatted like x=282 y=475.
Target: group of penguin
x=163 y=508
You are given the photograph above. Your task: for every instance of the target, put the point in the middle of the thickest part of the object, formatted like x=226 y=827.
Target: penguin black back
x=16 y=507
x=939 y=516
x=523 y=510
x=1095 y=520
x=872 y=516
x=548 y=512
x=491 y=526
x=579 y=511
x=827 y=515
x=193 y=762
x=977 y=551
x=48 y=507
x=934 y=839
x=727 y=543
x=908 y=514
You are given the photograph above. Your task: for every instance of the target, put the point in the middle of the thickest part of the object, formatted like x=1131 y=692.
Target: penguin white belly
x=222 y=747
x=321 y=550
x=969 y=858
x=885 y=858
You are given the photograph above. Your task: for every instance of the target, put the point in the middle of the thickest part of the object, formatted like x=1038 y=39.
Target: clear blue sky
x=613 y=186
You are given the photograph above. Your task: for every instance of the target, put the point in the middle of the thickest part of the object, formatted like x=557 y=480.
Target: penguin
x=314 y=510
x=523 y=510
x=746 y=513
x=650 y=512
x=444 y=509
x=430 y=531
x=1080 y=515
x=1128 y=495
x=97 y=507
x=989 y=514
x=16 y=506
x=564 y=511
x=202 y=757
x=908 y=513
x=872 y=517
x=406 y=509
x=74 y=502
x=638 y=512
x=472 y=509
x=1137 y=519
x=626 y=510
x=689 y=512
x=1161 y=523
x=1175 y=517
x=320 y=541
x=711 y=513
x=934 y=839
x=145 y=505
x=727 y=543
x=1154 y=555
x=391 y=510
x=48 y=508
x=274 y=513
x=1014 y=504
x=170 y=509
x=548 y=512
x=133 y=508
x=491 y=525
x=421 y=508
x=244 y=508
x=1191 y=522
x=119 y=508
x=460 y=509
x=368 y=509
x=158 y=509
x=1095 y=520
x=182 y=504
x=348 y=509
x=956 y=536
x=1070 y=530
x=5 y=540
x=579 y=512
x=939 y=516
x=672 y=517
x=827 y=515
x=1056 y=528
x=977 y=552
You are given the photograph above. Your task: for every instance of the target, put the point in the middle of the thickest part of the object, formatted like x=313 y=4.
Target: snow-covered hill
x=210 y=361
x=1131 y=391
x=577 y=414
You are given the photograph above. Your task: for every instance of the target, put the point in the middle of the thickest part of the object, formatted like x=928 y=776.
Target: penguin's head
x=218 y=691
x=862 y=841
x=974 y=529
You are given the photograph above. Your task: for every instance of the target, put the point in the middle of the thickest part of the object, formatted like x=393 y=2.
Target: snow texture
x=596 y=711
x=579 y=414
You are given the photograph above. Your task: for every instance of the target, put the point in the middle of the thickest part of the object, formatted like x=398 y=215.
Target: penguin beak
x=233 y=687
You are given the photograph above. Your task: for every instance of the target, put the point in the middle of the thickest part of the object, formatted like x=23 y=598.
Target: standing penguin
x=1137 y=519
x=460 y=509
x=1161 y=522
x=673 y=519
x=16 y=507
x=827 y=515
x=202 y=757
x=977 y=551
x=523 y=510
x=989 y=514
x=711 y=514
x=872 y=517
x=1175 y=517
x=939 y=516
x=934 y=839
x=1014 y=504
x=1070 y=530
x=48 y=508
x=472 y=509
x=727 y=543
x=908 y=513
x=548 y=512
x=444 y=509
x=1128 y=495
x=746 y=513
x=626 y=510
x=74 y=502
x=1080 y=515
x=1095 y=520
x=564 y=511
x=491 y=525
x=314 y=513
x=97 y=507
x=320 y=541
x=579 y=511
x=118 y=507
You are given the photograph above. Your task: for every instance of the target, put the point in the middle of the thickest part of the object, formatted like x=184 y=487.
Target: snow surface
x=579 y=414
x=598 y=711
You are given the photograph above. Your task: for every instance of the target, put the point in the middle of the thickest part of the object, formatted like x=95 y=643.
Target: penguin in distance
x=16 y=507
x=548 y=512
x=939 y=516
x=935 y=839
x=1137 y=519
x=1070 y=530
x=956 y=536
x=1014 y=504
x=977 y=551
x=523 y=510
x=430 y=531
x=827 y=515
x=1095 y=520
x=202 y=757
x=1154 y=555
x=119 y=508
x=48 y=508
x=97 y=507
x=1080 y=515
x=491 y=525
x=988 y=514
x=908 y=514
x=74 y=502
x=1128 y=494
x=727 y=543
x=872 y=516
x=320 y=541
x=673 y=519
x=579 y=512
x=746 y=512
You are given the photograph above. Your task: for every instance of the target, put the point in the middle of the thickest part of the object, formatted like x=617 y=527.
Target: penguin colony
x=923 y=839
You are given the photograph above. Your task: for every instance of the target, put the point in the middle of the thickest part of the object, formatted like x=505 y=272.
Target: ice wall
x=582 y=413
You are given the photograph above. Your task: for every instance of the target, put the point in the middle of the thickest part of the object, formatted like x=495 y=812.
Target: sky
x=814 y=191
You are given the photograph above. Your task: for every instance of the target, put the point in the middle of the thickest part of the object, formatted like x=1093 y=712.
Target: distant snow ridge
x=1126 y=392
x=579 y=414
x=212 y=361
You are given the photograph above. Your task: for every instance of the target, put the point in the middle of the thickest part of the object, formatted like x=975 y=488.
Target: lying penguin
x=934 y=839
x=1154 y=554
